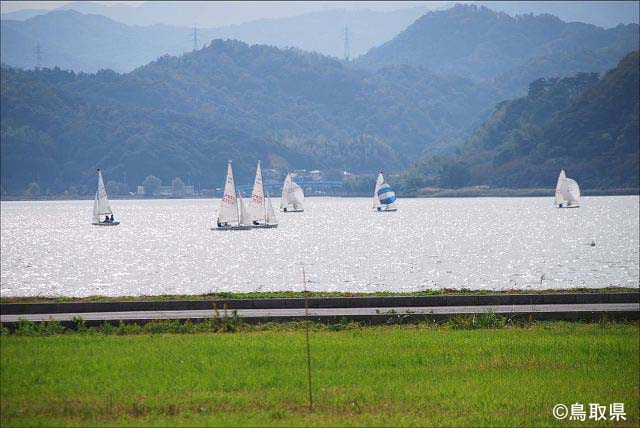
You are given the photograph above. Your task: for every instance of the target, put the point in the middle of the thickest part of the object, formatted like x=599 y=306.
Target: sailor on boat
x=101 y=206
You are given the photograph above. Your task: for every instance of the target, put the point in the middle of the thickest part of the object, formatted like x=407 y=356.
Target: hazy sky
x=253 y=9
x=12 y=6
x=220 y=13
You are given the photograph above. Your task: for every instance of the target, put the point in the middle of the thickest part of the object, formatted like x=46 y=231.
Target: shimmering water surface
x=166 y=247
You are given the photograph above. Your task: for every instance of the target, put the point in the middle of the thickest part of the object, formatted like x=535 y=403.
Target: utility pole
x=38 y=56
x=306 y=323
x=346 y=43
x=195 y=37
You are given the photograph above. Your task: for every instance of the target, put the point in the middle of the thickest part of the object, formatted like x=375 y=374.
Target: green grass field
x=395 y=375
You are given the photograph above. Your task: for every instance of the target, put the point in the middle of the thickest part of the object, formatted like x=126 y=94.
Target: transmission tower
x=38 y=55
x=195 y=38
x=346 y=43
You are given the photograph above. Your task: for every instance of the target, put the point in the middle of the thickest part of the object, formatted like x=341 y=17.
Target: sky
x=12 y=6
x=243 y=9
x=221 y=13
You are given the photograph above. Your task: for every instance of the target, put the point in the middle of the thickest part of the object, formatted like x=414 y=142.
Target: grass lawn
x=394 y=375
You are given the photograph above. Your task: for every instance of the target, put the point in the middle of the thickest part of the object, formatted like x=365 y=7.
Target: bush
x=80 y=326
x=487 y=319
x=106 y=328
x=48 y=328
x=26 y=328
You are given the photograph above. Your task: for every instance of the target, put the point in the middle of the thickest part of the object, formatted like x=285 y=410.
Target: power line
x=346 y=43
x=195 y=38
x=38 y=52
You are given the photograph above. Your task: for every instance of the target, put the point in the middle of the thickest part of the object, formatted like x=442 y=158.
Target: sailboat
x=384 y=197
x=232 y=214
x=261 y=211
x=292 y=196
x=567 y=192
x=101 y=206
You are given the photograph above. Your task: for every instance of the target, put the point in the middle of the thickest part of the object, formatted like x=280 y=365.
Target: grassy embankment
x=300 y=294
x=394 y=375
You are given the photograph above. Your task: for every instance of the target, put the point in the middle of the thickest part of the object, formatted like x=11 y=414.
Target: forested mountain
x=469 y=41
x=584 y=125
x=187 y=115
x=478 y=43
x=87 y=42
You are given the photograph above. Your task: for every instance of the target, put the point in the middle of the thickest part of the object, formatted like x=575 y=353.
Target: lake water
x=166 y=247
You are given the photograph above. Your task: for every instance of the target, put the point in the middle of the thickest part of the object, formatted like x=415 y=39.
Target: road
x=546 y=311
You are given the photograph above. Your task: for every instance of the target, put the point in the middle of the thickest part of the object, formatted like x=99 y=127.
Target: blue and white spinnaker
x=384 y=197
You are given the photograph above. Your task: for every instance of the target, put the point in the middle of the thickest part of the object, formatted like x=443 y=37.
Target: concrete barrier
x=320 y=302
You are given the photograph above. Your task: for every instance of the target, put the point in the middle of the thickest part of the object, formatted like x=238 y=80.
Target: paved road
x=631 y=308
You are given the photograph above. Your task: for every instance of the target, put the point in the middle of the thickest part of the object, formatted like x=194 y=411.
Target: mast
x=559 y=197
x=379 y=181
x=283 y=200
x=264 y=193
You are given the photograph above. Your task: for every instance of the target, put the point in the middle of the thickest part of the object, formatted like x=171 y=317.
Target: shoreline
x=311 y=294
x=464 y=192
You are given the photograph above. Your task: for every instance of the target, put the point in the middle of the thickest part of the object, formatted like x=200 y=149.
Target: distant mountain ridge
x=600 y=13
x=90 y=42
x=74 y=41
x=478 y=43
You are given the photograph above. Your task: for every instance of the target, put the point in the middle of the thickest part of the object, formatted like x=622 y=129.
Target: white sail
x=101 y=205
x=271 y=215
x=571 y=191
x=228 y=211
x=295 y=196
x=376 y=200
x=283 y=198
x=244 y=215
x=257 y=204
x=292 y=195
x=559 y=196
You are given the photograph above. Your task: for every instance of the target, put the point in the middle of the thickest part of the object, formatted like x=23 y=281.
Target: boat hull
x=232 y=228
x=571 y=206
x=392 y=210
x=292 y=211
x=115 y=223
x=264 y=226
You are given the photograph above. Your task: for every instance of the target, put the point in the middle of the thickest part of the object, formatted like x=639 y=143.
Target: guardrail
x=320 y=302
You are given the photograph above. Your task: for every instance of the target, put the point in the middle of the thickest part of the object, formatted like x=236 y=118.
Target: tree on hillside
x=151 y=185
x=177 y=186
x=32 y=191
x=114 y=188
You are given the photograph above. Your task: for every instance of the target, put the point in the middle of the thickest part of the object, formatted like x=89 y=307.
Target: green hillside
x=185 y=116
x=510 y=52
x=585 y=125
